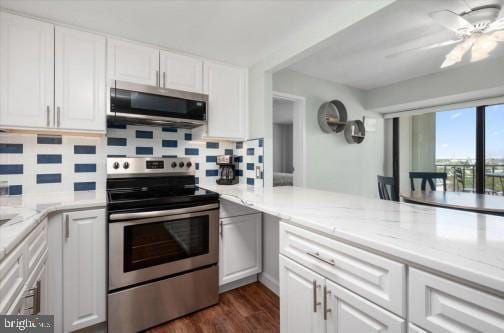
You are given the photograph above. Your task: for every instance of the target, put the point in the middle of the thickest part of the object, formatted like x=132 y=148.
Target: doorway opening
x=288 y=140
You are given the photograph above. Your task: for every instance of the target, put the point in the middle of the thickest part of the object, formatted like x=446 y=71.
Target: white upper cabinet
x=181 y=72
x=26 y=72
x=133 y=62
x=80 y=80
x=226 y=87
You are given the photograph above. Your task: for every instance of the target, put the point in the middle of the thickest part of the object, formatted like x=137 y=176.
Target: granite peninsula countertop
x=28 y=210
x=465 y=245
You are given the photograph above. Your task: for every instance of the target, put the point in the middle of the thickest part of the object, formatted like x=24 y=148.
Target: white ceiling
x=283 y=111
x=358 y=56
x=239 y=32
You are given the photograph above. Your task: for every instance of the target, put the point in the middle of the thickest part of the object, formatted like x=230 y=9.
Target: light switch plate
x=258 y=172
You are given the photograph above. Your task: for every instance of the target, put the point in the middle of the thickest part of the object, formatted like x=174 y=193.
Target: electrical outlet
x=258 y=172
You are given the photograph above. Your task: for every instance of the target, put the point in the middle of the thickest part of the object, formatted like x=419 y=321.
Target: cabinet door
x=181 y=72
x=84 y=267
x=300 y=299
x=133 y=62
x=240 y=248
x=26 y=72
x=80 y=80
x=348 y=312
x=227 y=103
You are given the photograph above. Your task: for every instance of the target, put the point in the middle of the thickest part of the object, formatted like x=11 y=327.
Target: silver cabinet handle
x=157 y=78
x=48 y=110
x=67 y=226
x=316 y=255
x=37 y=297
x=164 y=79
x=220 y=231
x=58 y=115
x=315 y=303
x=326 y=310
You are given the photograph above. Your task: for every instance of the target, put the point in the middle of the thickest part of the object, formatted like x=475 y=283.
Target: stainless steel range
x=163 y=242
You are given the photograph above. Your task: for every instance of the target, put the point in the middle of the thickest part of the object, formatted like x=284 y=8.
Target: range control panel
x=138 y=166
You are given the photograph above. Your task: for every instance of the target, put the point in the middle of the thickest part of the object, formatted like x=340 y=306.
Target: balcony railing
x=493 y=185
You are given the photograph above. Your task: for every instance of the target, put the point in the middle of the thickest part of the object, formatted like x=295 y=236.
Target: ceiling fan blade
x=457 y=53
x=498 y=36
x=423 y=48
x=452 y=21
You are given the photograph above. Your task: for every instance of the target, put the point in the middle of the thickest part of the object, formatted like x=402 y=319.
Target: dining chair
x=427 y=177
x=383 y=191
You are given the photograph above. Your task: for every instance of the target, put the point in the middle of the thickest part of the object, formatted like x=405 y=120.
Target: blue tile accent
x=85 y=167
x=122 y=142
x=239 y=159
x=250 y=166
x=15 y=189
x=49 y=159
x=169 y=156
x=84 y=186
x=191 y=151
x=212 y=145
x=260 y=159
x=250 y=181
x=196 y=166
x=49 y=140
x=144 y=150
x=170 y=143
x=80 y=149
x=239 y=145
x=196 y=180
x=11 y=148
x=240 y=173
x=116 y=126
x=188 y=136
x=49 y=178
x=11 y=169
x=112 y=155
x=169 y=129
x=228 y=151
x=261 y=142
x=250 y=151
x=211 y=159
x=144 y=134
x=212 y=172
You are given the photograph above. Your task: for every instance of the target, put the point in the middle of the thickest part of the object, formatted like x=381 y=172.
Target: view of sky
x=456 y=133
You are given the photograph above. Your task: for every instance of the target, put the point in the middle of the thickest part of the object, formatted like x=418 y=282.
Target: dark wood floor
x=252 y=308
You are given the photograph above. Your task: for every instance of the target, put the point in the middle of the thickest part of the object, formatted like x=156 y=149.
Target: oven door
x=150 y=245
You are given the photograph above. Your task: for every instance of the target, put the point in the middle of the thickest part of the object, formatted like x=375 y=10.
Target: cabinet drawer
x=36 y=245
x=12 y=277
x=230 y=209
x=415 y=329
x=441 y=305
x=376 y=278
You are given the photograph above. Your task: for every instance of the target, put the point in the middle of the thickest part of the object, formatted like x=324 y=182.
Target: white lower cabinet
x=240 y=247
x=311 y=303
x=84 y=269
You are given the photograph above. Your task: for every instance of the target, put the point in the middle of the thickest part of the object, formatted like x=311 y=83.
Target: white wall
x=477 y=81
x=332 y=163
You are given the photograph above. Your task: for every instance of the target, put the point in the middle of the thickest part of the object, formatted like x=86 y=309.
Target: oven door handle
x=158 y=213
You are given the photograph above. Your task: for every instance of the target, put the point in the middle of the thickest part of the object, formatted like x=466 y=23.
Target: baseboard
x=238 y=283
x=270 y=283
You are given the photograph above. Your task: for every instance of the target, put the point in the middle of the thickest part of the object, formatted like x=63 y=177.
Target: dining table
x=466 y=201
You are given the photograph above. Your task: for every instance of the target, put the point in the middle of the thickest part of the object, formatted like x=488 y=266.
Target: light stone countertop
x=29 y=210
x=464 y=245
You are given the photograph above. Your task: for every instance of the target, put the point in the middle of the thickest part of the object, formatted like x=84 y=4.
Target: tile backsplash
x=131 y=140
x=38 y=163
x=42 y=163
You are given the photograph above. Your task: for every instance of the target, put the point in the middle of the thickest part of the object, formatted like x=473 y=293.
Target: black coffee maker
x=228 y=170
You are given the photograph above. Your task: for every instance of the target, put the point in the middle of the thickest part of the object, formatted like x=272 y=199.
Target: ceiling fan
x=479 y=30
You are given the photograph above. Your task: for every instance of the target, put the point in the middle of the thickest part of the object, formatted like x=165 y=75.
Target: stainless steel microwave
x=132 y=103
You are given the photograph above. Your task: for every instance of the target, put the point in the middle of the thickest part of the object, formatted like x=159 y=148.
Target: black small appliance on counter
x=228 y=170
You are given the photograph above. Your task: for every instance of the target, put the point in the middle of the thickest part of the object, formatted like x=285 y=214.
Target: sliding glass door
x=494 y=149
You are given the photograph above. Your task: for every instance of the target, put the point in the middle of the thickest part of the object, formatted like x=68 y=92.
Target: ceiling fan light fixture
x=456 y=55
x=482 y=47
x=498 y=36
